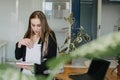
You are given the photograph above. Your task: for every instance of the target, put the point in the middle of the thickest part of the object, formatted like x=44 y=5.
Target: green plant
x=105 y=46
x=10 y=72
x=71 y=42
x=81 y=36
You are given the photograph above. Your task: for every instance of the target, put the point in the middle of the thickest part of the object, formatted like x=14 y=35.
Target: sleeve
x=18 y=52
x=52 y=46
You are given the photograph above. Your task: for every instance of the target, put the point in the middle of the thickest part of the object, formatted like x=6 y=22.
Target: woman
x=39 y=33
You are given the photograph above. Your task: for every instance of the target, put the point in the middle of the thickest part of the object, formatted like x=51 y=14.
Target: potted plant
x=71 y=42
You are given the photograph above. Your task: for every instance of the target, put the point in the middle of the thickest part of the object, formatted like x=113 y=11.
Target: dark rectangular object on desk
x=97 y=71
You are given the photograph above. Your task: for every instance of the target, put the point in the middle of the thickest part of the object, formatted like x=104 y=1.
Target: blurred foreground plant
x=9 y=72
x=101 y=47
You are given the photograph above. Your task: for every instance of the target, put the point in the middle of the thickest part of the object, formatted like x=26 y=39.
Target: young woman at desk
x=40 y=40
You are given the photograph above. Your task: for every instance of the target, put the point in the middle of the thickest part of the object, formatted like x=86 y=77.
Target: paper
x=24 y=63
x=33 y=55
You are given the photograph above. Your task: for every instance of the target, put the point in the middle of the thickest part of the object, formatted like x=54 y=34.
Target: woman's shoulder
x=52 y=33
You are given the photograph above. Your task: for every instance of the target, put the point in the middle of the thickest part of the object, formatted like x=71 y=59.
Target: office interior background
x=98 y=17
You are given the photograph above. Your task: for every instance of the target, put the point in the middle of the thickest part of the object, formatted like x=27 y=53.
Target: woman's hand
x=27 y=67
x=27 y=42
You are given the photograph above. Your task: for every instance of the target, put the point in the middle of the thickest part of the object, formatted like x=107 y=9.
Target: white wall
x=14 y=19
x=14 y=16
x=8 y=22
x=110 y=18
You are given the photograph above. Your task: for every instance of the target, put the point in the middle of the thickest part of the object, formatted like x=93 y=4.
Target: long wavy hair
x=45 y=29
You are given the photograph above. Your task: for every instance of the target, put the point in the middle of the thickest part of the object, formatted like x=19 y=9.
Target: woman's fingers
x=24 y=66
x=27 y=42
x=27 y=67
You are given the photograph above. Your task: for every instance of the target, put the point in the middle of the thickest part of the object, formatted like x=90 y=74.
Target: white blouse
x=33 y=55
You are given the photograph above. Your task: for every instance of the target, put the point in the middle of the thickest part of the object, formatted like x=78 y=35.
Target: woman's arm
x=19 y=51
x=52 y=46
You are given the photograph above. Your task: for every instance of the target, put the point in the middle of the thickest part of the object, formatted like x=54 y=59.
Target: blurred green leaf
x=105 y=46
x=102 y=47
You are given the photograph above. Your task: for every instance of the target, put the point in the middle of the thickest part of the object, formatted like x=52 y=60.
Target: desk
x=77 y=70
x=2 y=47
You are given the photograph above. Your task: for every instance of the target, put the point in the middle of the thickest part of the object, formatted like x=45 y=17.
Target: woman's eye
x=39 y=25
x=33 y=25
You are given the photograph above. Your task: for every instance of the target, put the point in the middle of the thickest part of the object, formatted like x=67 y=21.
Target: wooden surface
x=77 y=70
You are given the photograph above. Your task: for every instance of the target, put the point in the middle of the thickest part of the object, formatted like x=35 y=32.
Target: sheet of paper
x=24 y=63
x=33 y=55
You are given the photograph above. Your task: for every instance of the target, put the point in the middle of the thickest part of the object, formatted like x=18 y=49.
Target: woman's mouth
x=36 y=32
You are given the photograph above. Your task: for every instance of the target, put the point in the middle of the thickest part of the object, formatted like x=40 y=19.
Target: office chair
x=97 y=71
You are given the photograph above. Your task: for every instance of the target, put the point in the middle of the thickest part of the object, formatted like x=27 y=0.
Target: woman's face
x=36 y=26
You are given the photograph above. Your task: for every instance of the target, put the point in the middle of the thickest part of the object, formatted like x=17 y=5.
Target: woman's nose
x=36 y=28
